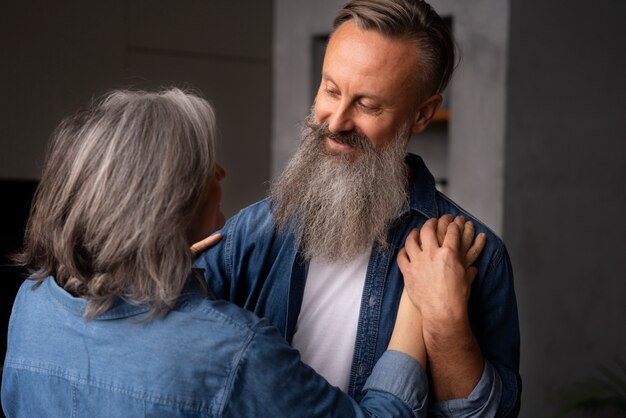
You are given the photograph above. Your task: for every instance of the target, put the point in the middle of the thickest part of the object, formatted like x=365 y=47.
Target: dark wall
x=17 y=196
x=58 y=55
x=564 y=190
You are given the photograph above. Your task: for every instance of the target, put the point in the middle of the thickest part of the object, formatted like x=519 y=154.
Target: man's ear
x=425 y=112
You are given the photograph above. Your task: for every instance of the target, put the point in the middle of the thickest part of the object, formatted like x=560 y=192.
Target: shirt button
x=360 y=371
x=372 y=301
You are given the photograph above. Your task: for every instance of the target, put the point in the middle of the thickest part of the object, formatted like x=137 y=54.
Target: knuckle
x=447 y=253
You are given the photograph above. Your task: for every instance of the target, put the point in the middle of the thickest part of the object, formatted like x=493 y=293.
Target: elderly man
x=318 y=258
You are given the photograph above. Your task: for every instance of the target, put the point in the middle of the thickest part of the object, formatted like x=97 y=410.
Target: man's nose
x=341 y=119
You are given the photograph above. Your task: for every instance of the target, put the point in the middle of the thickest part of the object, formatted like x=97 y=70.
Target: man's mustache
x=351 y=138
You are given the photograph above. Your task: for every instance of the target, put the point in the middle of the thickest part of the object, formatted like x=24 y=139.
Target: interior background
x=534 y=145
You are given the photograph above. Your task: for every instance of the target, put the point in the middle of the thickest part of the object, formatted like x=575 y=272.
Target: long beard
x=338 y=207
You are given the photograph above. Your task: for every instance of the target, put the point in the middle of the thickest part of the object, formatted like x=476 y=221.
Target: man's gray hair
x=120 y=185
x=415 y=20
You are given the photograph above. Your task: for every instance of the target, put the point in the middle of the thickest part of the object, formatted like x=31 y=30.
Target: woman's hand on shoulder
x=205 y=244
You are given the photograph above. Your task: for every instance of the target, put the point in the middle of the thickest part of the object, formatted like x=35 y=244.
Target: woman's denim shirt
x=261 y=270
x=206 y=358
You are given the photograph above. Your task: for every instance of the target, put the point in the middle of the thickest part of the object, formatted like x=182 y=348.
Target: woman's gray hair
x=120 y=186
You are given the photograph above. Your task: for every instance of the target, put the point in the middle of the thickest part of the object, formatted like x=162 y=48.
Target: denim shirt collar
x=422 y=192
x=76 y=305
x=121 y=308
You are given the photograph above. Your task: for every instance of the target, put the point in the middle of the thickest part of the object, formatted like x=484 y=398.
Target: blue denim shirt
x=204 y=359
x=262 y=270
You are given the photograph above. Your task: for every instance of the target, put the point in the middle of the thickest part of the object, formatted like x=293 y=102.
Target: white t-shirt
x=327 y=325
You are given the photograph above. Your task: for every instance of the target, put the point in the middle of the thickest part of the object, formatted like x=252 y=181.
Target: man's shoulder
x=447 y=205
x=255 y=223
x=495 y=255
x=253 y=231
x=213 y=314
x=256 y=218
x=428 y=201
x=260 y=210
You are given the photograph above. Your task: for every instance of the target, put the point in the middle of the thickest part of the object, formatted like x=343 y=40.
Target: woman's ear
x=425 y=112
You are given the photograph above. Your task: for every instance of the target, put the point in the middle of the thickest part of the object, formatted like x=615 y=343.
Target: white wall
x=295 y=23
x=477 y=96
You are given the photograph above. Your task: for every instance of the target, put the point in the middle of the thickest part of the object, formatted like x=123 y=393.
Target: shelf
x=441 y=116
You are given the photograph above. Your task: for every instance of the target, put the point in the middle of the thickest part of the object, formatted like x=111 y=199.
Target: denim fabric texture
x=262 y=271
x=206 y=358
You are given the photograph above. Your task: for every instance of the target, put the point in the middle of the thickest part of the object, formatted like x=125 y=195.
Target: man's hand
x=206 y=243
x=436 y=265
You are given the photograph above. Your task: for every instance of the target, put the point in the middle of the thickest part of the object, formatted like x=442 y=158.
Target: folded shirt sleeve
x=402 y=376
x=482 y=402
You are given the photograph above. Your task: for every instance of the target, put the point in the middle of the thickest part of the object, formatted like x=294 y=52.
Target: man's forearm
x=455 y=360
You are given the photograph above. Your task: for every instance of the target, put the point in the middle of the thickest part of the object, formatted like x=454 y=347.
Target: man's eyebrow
x=327 y=77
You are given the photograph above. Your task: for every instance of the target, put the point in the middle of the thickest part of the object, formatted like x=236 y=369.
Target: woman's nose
x=220 y=173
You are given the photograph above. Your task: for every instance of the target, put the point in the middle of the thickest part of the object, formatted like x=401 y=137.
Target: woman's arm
x=407 y=334
x=270 y=380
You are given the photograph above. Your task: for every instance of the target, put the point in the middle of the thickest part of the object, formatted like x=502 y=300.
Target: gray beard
x=337 y=207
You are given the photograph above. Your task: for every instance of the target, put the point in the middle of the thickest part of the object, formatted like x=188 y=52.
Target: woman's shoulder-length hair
x=121 y=182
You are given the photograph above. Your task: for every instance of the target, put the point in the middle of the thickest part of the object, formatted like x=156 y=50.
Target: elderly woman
x=113 y=322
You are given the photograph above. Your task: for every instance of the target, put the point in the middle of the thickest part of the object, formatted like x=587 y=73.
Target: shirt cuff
x=482 y=402
x=402 y=376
